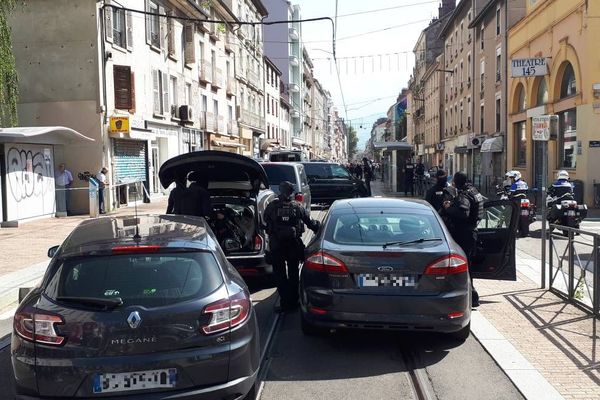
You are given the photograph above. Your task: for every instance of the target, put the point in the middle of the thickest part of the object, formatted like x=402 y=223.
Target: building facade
x=432 y=118
x=277 y=126
x=564 y=33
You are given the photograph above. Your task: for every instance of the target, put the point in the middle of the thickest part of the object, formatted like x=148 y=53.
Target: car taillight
x=258 y=243
x=38 y=327
x=325 y=263
x=448 y=265
x=227 y=313
x=299 y=197
x=524 y=203
x=135 y=249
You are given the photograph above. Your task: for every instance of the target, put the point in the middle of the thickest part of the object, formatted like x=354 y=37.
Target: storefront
x=164 y=142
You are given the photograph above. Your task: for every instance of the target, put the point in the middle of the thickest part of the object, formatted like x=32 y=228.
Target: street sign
x=529 y=67
x=543 y=127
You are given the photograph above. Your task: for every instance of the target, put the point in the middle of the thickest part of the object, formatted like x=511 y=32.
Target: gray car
x=144 y=307
x=278 y=172
x=381 y=263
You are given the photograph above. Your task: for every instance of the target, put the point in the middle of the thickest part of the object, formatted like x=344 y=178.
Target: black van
x=287 y=156
x=330 y=182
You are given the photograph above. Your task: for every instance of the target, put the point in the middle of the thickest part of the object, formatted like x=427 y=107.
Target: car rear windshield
x=149 y=280
x=279 y=173
x=380 y=228
x=318 y=171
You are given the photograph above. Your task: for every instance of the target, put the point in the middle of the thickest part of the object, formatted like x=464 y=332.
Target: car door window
x=318 y=171
x=303 y=178
x=496 y=217
x=339 y=172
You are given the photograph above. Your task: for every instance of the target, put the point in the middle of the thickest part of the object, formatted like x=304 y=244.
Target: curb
x=25 y=277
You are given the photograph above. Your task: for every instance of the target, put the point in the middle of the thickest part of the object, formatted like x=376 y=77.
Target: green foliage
x=9 y=84
x=352 y=142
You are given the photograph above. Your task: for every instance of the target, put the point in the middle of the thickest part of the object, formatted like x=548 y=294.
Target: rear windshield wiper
x=108 y=304
x=422 y=240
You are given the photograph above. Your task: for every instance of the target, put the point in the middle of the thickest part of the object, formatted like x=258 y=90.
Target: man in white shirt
x=102 y=183
x=63 y=181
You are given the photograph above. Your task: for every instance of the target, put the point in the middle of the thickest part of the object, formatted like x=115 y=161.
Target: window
x=188 y=93
x=268 y=109
x=278 y=173
x=521 y=143
x=522 y=99
x=339 y=172
x=124 y=91
x=567 y=139
x=482 y=36
x=469 y=113
x=498 y=21
x=153 y=24
x=119 y=30
x=498 y=114
x=204 y=103
x=568 y=85
x=230 y=113
x=160 y=91
x=542 y=92
x=498 y=64
x=481 y=121
x=173 y=100
x=482 y=75
x=216 y=108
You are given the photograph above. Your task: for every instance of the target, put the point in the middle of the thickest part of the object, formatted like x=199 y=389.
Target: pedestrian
x=359 y=171
x=420 y=176
x=175 y=198
x=409 y=177
x=464 y=212
x=63 y=181
x=196 y=198
x=102 y=184
x=368 y=173
x=435 y=195
x=285 y=220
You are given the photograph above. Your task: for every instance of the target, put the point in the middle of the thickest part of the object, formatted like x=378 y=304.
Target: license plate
x=386 y=280
x=138 y=380
x=524 y=212
x=571 y=213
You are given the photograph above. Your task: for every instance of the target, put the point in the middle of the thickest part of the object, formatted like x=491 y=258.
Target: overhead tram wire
x=387 y=8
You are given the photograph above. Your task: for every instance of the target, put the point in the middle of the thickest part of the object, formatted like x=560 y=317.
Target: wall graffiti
x=28 y=173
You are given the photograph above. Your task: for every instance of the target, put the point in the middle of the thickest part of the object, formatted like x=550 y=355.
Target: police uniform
x=560 y=188
x=409 y=178
x=436 y=195
x=285 y=221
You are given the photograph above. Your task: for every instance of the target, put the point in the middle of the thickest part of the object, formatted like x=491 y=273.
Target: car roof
x=102 y=234
x=282 y=163
x=379 y=203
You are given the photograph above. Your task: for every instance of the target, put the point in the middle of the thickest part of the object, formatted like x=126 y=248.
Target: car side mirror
x=23 y=292
x=52 y=251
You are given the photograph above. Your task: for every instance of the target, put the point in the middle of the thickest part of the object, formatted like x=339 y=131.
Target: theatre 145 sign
x=529 y=67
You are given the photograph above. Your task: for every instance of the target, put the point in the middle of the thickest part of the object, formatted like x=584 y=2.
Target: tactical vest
x=288 y=224
x=476 y=211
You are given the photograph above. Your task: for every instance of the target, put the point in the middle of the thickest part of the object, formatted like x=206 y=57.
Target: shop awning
x=221 y=143
x=461 y=150
x=42 y=135
x=492 y=145
x=396 y=145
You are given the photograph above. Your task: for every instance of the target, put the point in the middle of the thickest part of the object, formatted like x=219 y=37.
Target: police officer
x=409 y=177
x=368 y=173
x=464 y=212
x=285 y=221
x=518 y=187
x=436 y=195
x=561 y=186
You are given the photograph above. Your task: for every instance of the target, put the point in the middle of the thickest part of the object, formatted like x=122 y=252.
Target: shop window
x=521 y=143
x=542 y=92
x=568 y=85
x=567 y=139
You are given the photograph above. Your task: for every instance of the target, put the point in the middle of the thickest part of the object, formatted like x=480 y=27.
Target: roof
x=272 y=65
x=42 y=135
x=260 y=8
x=456 y=11
x=101 y=234
x=381 y=203
x=482 y=13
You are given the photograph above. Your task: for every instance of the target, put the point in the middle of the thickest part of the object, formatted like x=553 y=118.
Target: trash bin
x=578 y=190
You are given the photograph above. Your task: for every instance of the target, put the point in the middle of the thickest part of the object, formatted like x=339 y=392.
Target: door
x=318 y=180
x=155 y=166
x=495 y=257
x=342 y=183
x=304 y=188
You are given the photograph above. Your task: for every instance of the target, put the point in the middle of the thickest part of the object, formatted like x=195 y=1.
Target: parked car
x=145 y=307
x=292 y=172
x=287 y=156
x=239 y=190
x=382 y=263
x=329 y=182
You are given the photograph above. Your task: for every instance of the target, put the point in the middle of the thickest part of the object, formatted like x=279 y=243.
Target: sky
x=369 y=85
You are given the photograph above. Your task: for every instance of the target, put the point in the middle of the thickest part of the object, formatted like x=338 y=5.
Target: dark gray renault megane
x=382 y=263
x=139 y=307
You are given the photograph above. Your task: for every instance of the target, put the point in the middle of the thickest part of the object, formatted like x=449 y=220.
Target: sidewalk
x=535 y=337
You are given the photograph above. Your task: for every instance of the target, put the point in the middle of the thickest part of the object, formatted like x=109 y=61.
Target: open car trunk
x=235 y=224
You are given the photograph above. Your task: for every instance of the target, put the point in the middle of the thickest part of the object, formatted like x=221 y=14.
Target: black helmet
x=286 y=189
x=460 y=179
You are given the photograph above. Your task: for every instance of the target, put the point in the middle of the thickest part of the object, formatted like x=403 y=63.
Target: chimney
x=446 y=7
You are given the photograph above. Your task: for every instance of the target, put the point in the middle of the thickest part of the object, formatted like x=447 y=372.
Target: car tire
x=310 y=329
x=462 y=334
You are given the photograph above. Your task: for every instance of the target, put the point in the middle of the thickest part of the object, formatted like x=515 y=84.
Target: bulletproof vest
x=288 y=224
x=476 y=211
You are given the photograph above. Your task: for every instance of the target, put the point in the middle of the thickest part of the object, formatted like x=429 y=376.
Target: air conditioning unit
x=185 y=113
x=476 y=141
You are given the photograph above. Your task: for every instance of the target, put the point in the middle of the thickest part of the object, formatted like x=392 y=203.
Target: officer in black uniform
x=409 y=177
x=463 y=212
x=285 y=221
x=435 y=195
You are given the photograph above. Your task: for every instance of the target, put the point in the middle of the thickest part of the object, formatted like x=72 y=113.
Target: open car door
x=495 y=257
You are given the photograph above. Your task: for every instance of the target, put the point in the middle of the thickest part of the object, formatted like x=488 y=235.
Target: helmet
x=562 y=174
x=286 y=189
x=510 y=174
x=516 y=175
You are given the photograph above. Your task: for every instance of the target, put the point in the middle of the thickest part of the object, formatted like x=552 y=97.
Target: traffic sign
x=529 y=67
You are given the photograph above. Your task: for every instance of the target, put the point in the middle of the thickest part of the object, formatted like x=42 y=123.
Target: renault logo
x=134 y=320
x=385 y=269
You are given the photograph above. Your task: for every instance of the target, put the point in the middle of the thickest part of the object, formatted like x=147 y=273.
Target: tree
x=9 y=84
x=352 y=141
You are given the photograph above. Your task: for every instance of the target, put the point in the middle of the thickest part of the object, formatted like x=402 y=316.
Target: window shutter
x=162 y=22
x=122 y=84
x=156 y=91
x=108 y=24
x=171 y=34
x=190 y=46
x=129 y=30
x=148 y=24
x=132 y=81
x=165 y=92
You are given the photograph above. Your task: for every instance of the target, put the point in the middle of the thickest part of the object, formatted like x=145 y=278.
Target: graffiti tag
x=26 y=171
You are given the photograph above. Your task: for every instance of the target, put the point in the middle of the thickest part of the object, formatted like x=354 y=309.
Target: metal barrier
x=574 y=266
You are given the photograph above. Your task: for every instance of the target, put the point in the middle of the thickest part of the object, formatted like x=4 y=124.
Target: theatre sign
x=529 y=67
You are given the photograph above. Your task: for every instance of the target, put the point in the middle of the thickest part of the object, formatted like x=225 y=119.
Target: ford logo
x=385 y=269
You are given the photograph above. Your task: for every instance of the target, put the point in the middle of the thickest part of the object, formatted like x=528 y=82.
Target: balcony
x=230 y=42
x=295 y=114
x=254 y=78
x=294 y=61
x=252 y=119
x=294 y=88
x=205 y=72
x=207 y=121
x=232 y=128
x=221 y=126
x=231 y=86
x=294 y=35
x=214 y=32
x=217 y=78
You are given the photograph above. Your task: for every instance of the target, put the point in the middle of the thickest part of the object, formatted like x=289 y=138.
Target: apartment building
x=433 y=112
x=277 y=124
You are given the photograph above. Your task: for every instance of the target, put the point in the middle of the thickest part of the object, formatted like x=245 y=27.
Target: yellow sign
x=119 y=124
